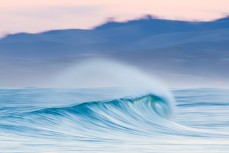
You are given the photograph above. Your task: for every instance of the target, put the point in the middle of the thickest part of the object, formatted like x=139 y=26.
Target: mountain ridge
x=144 y=18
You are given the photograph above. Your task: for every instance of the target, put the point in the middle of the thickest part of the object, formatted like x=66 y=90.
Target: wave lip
x=155 y=104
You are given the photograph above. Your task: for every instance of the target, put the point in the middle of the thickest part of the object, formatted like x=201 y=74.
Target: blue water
x=108 y=120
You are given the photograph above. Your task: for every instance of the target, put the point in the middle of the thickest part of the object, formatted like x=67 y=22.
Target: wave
x=140 y=115
x=144 y=115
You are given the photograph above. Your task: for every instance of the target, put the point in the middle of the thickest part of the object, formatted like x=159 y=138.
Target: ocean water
x=107 y=120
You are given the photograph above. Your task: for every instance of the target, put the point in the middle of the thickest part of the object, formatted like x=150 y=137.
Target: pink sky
x=41 y=15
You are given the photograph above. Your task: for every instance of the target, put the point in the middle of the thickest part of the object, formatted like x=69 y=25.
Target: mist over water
x=100 y=73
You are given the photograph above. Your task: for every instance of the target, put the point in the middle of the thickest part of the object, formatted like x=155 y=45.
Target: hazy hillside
x=178 y=51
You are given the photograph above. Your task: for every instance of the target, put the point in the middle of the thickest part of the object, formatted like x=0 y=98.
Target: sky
x=41 y=15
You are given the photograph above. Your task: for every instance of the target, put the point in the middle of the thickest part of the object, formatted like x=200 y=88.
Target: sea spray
x=97 y=73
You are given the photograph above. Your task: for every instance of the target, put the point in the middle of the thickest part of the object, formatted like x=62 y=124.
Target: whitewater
x=133 y=114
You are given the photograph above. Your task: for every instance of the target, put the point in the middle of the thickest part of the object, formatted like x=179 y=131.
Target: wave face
x=86 y=120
